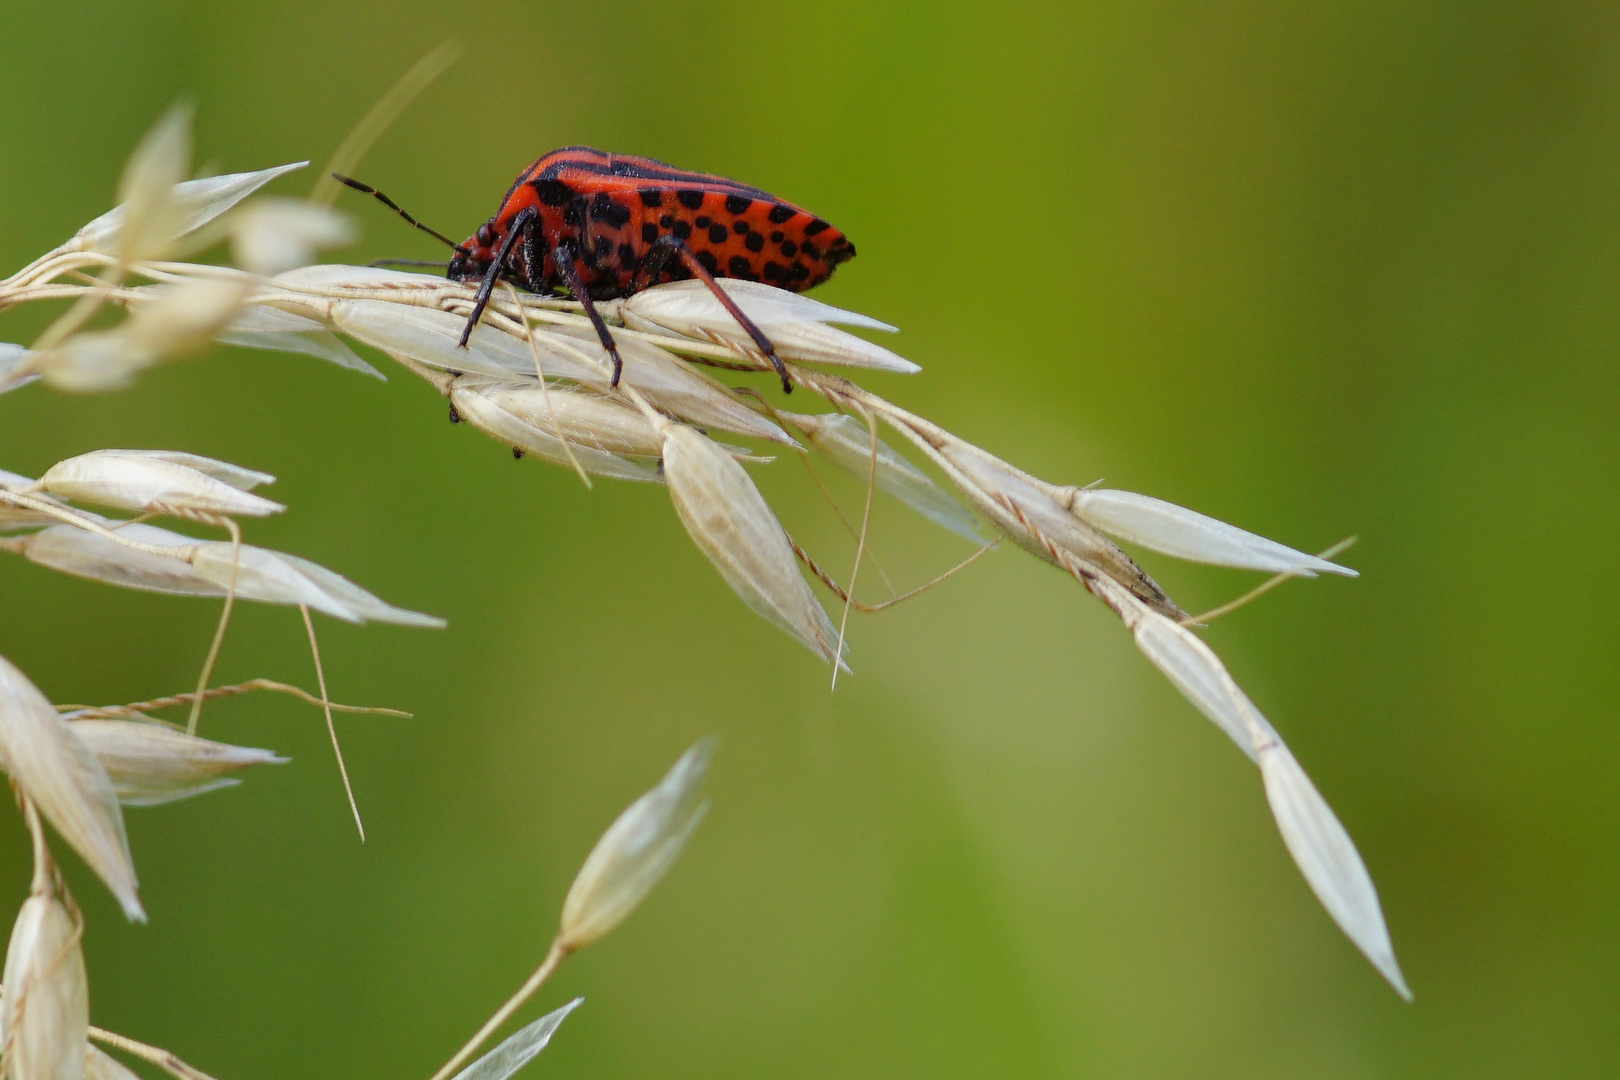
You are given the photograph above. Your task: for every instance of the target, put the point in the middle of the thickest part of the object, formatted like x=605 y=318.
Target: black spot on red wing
x=754 y=242
x=666 y=222
x=810 y=250
x=739 y=227
x=776 y=236
x=780 y=214
x=774 y=271
x=816 y=226
x=737 y=204
x=627 y=257
x=703 y=221
x=651 y=197
x=604 y=247
x=738 y=266
x=574 y=214
x=708 y=261
x=682 y=230
x=649 y=233
x=690 y=198
x=553 y=192
x=789 y=248
x=798 y=273
x=717 y=233
x=605 y=208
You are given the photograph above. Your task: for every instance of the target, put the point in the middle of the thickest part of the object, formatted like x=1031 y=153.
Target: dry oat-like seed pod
x=488 y=408
x=45 y=1016
x=732 y=524
x=55 y=769
x=636 y=851
x=795 y=323
x=847 y=443
x=520 y=1048
x=1186 y=534
x=276 y=578
x=275 y=234
x=160 y=481
x=151 y=763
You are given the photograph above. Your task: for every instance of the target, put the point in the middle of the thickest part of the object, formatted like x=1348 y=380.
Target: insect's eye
x=485 y=236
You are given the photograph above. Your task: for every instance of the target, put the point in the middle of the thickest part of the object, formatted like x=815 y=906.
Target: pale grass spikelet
x=520 y=1048
x=257 y=326
x=71 y=550
x=167 y=321
x=45 y=1015
x=732 y=524
x=204 y=568
x=1186 y=534
x=1315 y=839
x=276 y=578
x=796 y=324
x=636 y=851
x=153 y=217
x=197 y=203
x=55 y=769
x=1328 y=858
x=15 y=367
x=99 y=1065
x=1036 y=515
x=274 y=234
x=151 y=763
x=846 y=442
x=486 y=407
x=581 y=416
x=160 y=481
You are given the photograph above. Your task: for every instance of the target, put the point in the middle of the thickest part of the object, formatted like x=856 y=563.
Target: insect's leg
x=661 y=250
x=521 y=224
x=562 y=257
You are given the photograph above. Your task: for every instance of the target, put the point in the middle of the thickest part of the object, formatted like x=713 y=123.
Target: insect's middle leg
x=562 y=257
x=667 y=247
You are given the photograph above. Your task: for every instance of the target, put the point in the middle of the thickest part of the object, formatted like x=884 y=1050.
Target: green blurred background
x=1315 y=269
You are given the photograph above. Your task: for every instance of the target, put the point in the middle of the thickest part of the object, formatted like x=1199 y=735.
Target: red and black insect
x=604 y=226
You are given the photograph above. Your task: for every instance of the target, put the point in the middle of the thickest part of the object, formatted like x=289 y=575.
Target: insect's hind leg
x=666 y=247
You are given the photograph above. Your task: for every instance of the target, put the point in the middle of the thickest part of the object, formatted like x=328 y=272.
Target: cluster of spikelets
x=76 y=767
x=534 y=377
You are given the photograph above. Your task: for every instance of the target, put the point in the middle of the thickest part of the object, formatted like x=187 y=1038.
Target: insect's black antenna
x=394 y=206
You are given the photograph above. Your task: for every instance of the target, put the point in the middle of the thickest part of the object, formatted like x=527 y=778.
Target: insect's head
x=473 y=256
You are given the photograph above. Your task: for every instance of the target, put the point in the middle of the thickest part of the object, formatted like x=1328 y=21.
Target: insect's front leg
x=562 y=257
x=667 y=247
x=522 y=225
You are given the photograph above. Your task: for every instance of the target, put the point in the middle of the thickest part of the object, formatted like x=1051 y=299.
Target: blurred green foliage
x=1315 y=269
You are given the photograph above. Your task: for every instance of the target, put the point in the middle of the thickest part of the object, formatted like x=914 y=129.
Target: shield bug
x=603 y=226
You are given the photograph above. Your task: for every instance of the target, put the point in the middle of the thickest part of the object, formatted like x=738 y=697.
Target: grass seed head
x=55 y=769
x=636 y=851
x=795 y=323
x=158 y=481
x=274 y=234
x=45 y=1016
x=487 y=408
x=150 y=763
x=733 y=526
x=1186 y=534
x=273 y=577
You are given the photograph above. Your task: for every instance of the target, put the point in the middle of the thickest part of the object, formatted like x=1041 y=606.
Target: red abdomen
x=612 y=208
